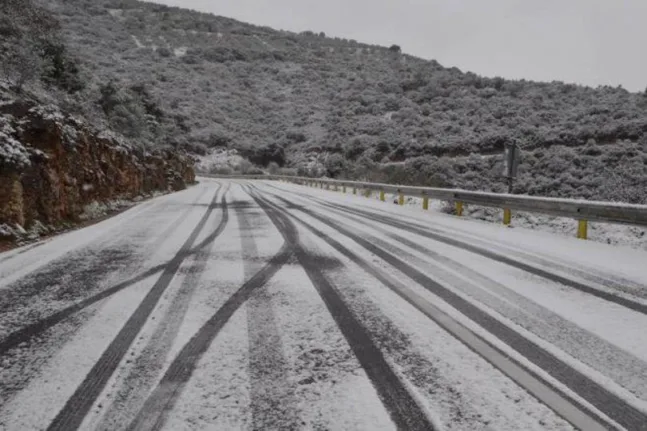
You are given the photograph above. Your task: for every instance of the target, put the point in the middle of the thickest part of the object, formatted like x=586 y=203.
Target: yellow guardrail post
x=400 y=198
x=425 y=202
x=459 y=209
x=582 y=229
x=382 y=197
x=507 y=216
x=368 y=193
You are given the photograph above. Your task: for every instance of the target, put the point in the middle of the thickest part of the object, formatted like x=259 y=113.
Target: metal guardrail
x=580 y=210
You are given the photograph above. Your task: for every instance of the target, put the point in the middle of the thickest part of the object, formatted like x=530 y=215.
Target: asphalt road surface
x=267 y=305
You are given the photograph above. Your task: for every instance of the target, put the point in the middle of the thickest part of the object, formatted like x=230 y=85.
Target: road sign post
x=512 y=159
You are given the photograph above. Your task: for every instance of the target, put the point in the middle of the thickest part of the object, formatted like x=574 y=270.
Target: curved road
x=264 y=305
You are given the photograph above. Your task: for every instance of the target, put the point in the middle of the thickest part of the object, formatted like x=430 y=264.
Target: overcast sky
x=592 y=42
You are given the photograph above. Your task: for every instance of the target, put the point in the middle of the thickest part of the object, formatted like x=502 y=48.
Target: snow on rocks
x=97 y=209
x=40 y=142
x=48 y=113
x=20 y=234
x=12 y=152
x=219 y=159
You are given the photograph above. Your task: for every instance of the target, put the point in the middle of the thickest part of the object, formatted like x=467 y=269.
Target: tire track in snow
x=607 y=402
x=441 y=237
x=417 y=368
x=36 y=329
x=149 y=364
x=273 y=404
x=615 y=282
x=81 y=246
x=600 y=354
x=162 y=399
x=403 y=408
x=78 y=405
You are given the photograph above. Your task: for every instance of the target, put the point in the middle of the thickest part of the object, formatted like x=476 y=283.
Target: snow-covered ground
x=219 y=159
x=237 y=305
x=615 y=234
x=608 y=233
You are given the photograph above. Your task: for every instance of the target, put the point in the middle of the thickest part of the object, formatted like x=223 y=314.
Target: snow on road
x=258 y=305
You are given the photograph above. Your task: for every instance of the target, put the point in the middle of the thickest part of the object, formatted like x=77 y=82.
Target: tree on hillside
x=59 y=69
x=31 y=47
x=22 y=26
x=20 y=64
x=395 y=48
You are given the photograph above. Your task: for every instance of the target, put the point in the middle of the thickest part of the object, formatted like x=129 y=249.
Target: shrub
x=164 y=52
x=59 y=69
x=125 y=112
x=297 y=137
x=273 y=168
x=21 y=65
x=335 y=165
x=245 y=166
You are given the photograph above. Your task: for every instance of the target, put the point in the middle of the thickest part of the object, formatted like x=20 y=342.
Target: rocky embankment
x=54 y=166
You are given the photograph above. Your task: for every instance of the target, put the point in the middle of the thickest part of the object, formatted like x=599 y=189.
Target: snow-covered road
x=265 y=305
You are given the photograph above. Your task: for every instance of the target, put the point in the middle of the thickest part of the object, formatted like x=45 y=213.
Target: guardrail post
x=400 y=198
x=343 y=188
x=336 y=189
x=459 y=209
x=507 y=216
x=382 y=197
x=327 y=186
x=354 y=190
x=368 y=193
x=582 y=229
x=425 y=203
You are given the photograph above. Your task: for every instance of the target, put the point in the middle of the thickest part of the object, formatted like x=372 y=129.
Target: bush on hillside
x=59 y=69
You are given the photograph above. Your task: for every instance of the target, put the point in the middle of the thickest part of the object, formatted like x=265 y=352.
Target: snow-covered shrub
x=13 y=154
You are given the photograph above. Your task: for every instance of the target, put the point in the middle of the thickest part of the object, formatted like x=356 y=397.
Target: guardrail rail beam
x=580 y=210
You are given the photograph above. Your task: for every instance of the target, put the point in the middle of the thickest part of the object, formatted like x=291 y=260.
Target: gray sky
x=591 y=42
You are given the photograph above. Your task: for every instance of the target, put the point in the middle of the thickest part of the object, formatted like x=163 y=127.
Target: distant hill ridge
x=322 y=105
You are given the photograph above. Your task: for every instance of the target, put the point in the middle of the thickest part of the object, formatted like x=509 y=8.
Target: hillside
x=327 y=106
x=61 y=163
